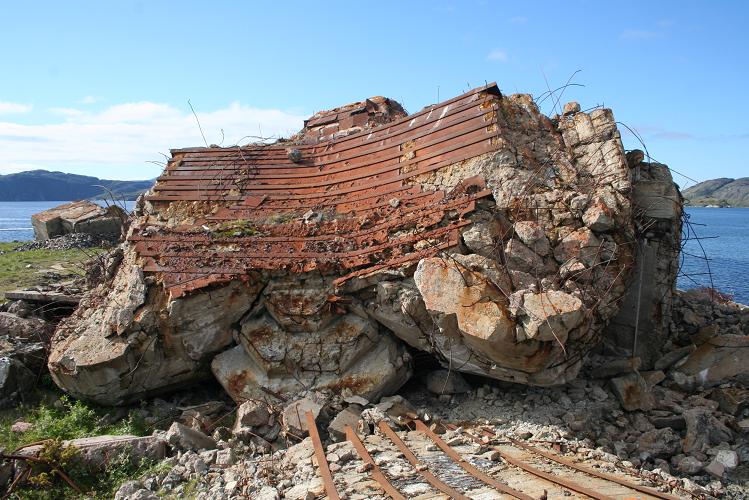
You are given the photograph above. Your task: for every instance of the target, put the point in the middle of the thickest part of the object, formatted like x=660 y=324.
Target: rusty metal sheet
x=351 y=206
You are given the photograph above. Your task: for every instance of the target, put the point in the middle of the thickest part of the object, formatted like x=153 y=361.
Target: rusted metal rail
x=571 y=464
x=545 y=477
x=601 y=475
x=469 y=468
x=377 y=474
x=322 y=462
x=418 y=465
x=539 y=473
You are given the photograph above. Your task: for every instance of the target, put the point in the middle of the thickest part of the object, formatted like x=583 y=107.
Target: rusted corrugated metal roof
x=348 y=205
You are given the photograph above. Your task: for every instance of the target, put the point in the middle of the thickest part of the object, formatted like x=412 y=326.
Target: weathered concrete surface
x=721 y=359
x=551 y=255
x=98 y=451
x=78 y=217
x=522 y=297
x=123 y=343
x=645 y=313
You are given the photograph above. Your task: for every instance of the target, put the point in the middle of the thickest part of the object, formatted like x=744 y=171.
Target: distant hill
x=42 y=185
x=723 y=192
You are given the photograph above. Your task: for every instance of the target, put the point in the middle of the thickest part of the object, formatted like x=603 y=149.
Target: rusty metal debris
x=474 y=471
x=592 y=472
x=349 y=205
x=418 y=465
x=568 y=463
x=375 y=470
x=546 y=478
x=322 y=462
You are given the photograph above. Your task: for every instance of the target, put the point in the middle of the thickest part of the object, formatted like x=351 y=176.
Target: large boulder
x=123 y=343
x=78 y=217
x=720 y=359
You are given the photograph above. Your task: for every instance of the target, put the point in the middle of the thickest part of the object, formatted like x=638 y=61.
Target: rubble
x=185 y=438
x=545 y=291
x=16 y=382
x=78 y=217
x=322 y=272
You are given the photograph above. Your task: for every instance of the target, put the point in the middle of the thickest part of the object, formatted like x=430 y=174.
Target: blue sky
x=102 y=88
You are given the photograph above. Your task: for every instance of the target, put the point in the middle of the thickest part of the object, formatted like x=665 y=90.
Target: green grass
x=22 y=269
x=62 y=419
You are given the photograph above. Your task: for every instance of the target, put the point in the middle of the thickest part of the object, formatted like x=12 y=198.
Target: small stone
x=365 y=467
x=447 y=382
x=252 y=414
x=727 y=458
x=348 y=417
x=633 y=392
x=21 y=427
x=612 y=367
x=294 y=155
x=396 y=407
x=185 y=438
x=225 y=458
x=294 y=416
x=704 y=430
x=715 y=468
x=356 y=400
x=571 y=108
x=689 y=466
x=267 y=493
x=598 y=394
x=654 y=377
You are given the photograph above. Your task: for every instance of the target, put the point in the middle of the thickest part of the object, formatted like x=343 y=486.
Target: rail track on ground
x=473 y=463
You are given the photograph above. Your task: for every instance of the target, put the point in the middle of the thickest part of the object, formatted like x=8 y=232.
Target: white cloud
x=89 y=99
x=118 y=141
x=66 y=111
x=14 y=107
x=497 y=55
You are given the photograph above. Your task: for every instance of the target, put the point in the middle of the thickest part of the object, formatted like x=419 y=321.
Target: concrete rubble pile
x=544 y=257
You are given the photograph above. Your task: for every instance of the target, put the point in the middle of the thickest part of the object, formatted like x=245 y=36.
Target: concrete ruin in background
x=78 y=217
x=478 y=230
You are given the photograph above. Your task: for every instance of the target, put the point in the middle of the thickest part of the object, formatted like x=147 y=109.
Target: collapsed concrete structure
x=78 y=217
x=478 y=230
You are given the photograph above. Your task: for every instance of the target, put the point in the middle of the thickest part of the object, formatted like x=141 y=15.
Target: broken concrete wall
x=495 y=238
x=641 y=328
